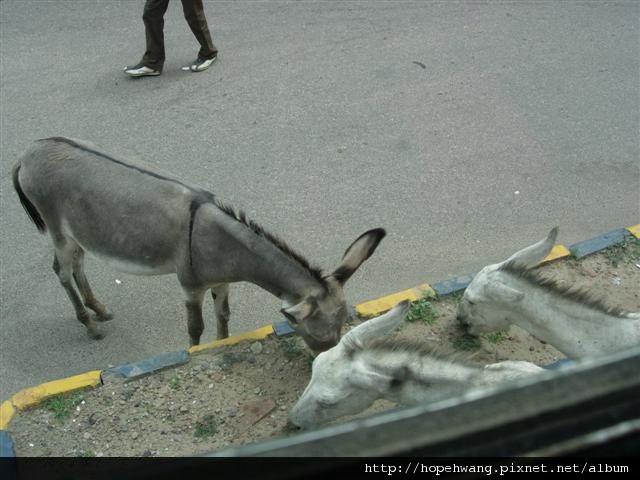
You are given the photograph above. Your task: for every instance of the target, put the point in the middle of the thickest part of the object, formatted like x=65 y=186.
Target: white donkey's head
x=340 y=384
x=486 y=301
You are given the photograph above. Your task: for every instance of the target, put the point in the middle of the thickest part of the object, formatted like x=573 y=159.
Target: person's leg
x=153 y=17
x=194 y=15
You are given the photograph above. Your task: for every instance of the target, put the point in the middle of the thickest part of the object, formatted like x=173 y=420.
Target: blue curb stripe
x=564 y=362
x=6 y=446
x=587 y=247
x=144 y=367
x=453 y=284
x=283 y=329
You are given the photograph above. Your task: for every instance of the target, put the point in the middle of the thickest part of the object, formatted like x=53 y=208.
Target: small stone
x=184 y=409
x=134 y=435
x=122 y=402
x=283 y=407
x=86 y=435
x=232 y=412
x=257 y=391
x=531 y=349
x=256 y=348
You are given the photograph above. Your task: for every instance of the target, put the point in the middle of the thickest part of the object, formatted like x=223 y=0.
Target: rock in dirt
x=256 y=348
x=254 y=411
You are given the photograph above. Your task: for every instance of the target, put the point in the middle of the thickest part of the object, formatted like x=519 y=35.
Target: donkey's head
x=341 y=384
x=319 y=317
x=485 y=305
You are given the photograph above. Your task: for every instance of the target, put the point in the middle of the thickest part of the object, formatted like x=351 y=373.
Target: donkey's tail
x=26 y=203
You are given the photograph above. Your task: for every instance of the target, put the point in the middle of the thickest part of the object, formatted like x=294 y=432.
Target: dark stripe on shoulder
x=200 y=199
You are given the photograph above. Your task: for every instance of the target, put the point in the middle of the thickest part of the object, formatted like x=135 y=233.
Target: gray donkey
x=150 y=223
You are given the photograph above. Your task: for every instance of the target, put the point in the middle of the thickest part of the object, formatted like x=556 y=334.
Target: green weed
x=207 y=426
x=466 y=342
x=62 y=405
x=423 y=310
x=497 y=337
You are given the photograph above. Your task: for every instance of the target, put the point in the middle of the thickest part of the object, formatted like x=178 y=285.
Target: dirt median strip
x=31 y=397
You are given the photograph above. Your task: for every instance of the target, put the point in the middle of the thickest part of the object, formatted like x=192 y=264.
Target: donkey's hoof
x=104 y=317
x=96 y=335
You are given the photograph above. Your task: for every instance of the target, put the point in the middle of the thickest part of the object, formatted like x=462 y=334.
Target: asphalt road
x=466 y=130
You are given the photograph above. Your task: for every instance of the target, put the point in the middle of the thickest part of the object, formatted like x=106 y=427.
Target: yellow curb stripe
x=30 y=397
x=558 y=251
x=635 y=230
x=258 y=334
x=381 y=305
x=6 y=414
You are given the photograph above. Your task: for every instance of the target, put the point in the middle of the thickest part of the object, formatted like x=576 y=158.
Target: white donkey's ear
x=531 y=256
x=361 y=249
x=506 y=293
x=376 y=327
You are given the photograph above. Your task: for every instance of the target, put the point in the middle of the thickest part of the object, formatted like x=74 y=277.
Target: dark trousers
x=153 y=18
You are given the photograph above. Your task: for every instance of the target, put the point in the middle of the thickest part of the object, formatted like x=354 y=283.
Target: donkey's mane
x=241 y=217
x=404 y=345
x=577 y=295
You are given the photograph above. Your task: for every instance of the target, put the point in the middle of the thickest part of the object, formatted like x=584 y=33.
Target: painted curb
x=453 y=285
x=558 y=251
x=136 y=370
x=32 y=396
x=258 y=334
x=376 y=307
x=6 y=446
x=587 y=247
x=7 y=411
x=283 y=329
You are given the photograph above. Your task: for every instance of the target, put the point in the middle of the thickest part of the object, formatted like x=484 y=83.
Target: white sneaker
x=199 y=64
x=141 y=71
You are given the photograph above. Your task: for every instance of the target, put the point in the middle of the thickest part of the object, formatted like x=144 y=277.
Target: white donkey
x=150 y=223
x=571 y=320
x=365 y=366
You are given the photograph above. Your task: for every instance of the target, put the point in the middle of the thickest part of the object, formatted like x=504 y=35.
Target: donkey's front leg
x=220 y=294
x=195 y=324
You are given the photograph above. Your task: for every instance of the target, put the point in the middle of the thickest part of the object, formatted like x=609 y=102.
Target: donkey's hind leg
x=220 y=296
x=102 y=312
x=63 y=267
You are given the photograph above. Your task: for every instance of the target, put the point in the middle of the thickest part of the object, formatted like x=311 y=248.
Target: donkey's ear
x=506 y=293
x=300 y=311
x=358 y=252
x=355 y=338
x=531 y=256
